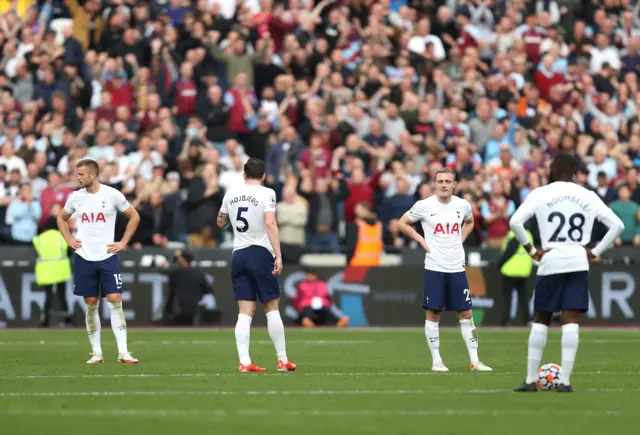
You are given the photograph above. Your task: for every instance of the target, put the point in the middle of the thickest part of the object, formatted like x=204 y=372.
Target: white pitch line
x=179 y=342
x=319 y=374
x=268 y=342
x=305 y=413
x=282 y=393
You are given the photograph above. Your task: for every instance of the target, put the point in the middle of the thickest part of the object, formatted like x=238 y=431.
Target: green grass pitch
x=348 y=382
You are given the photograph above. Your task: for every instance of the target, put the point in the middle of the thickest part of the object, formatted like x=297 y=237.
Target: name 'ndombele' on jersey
x=574 y=199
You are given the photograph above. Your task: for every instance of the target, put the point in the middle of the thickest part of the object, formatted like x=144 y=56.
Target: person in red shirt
x=121 y=92
x=314 y=305
x=532 y=36
x=184 y=94
x=546 y=79
x=468 y=36
x=316 y=158
x=56 y=193
x=360 y=190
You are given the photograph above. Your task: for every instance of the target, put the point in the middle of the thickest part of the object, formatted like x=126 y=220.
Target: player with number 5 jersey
x=565 y=212
x=446 y=221
x=256 y=263
x=96 y=271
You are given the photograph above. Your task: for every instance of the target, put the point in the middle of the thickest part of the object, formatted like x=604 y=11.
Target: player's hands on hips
x=539 y=254
x=423 y=243
x=277 y=266
x=591 y=256
x=116 y=247
x=75 y=244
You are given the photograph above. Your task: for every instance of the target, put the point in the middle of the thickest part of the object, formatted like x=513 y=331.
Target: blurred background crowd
x=353 y=105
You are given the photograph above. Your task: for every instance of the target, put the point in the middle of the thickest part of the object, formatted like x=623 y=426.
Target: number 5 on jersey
x=239 y=218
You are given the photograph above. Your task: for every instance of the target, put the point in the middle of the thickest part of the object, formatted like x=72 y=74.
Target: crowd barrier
x=389 y=296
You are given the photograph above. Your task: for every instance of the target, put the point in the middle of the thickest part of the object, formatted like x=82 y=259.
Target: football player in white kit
x=565 y=212
x=447 y=221
x=96 y=270
x=256 y=262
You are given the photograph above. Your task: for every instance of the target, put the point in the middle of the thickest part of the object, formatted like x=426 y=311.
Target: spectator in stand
x=8 y=158
x=203 y=201
x=629 y=212
x=496 y=212
x=292 y=213
x=323 y=196
x=421 y=85
x=23 y=215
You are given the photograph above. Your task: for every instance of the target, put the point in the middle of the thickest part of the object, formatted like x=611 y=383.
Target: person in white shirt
x=256 y=262
x=447 y=221
x=565 y=212
x=418 y=43
x=96 y=268
x=603 y=53
x=11 y=161
x=233 y=177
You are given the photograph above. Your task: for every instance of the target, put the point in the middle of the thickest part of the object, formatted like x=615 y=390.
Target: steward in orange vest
x=364 y=238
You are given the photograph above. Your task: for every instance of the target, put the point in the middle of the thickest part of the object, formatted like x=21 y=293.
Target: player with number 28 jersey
x=565 y=212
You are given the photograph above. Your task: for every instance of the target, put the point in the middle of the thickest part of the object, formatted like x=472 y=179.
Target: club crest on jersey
x=447 y=228
x=93 y=217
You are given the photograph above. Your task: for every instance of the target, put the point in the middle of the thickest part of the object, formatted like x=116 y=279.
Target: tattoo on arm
x=223 y=219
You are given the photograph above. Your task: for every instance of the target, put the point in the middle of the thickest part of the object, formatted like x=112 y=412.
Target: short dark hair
x=563 y=167
x=90 y=164
x=186 y=255
x=254 y=169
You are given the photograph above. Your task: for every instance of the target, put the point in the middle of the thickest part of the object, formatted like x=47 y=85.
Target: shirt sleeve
x=521 y=216
x=121 y=202
x=416 y=212
x=70 y=207
x=223 y=207
x=271 y=201
x=468 y=212
x=605 y=215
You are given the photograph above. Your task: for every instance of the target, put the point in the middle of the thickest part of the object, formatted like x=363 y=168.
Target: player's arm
x=517 y=221
x=467 y=228
x=405 y=225
x=273 y=234
x=223 y=219
x=63 y=227
x=605 y=215
x=223 y=214
x=274 y=238
x=134 y=220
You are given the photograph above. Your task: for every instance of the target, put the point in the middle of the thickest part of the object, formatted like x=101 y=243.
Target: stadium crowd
x=347 y=101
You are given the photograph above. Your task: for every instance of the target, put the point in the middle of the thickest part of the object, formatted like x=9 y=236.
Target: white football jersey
x=96 y=219
x=442 y=227
x=565 y=213
x=246 y=206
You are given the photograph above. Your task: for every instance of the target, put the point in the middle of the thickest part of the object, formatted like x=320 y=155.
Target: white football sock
x=276 y=332
x=470 y=336
x=570 y=339
x=92 y=318
x=243 y=335
x=537 y=343
x=119 y=326
x=432 y=333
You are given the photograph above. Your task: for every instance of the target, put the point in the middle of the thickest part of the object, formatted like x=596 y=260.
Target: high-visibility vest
x=53 y=265
x=369 y=247
x=520 y=264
